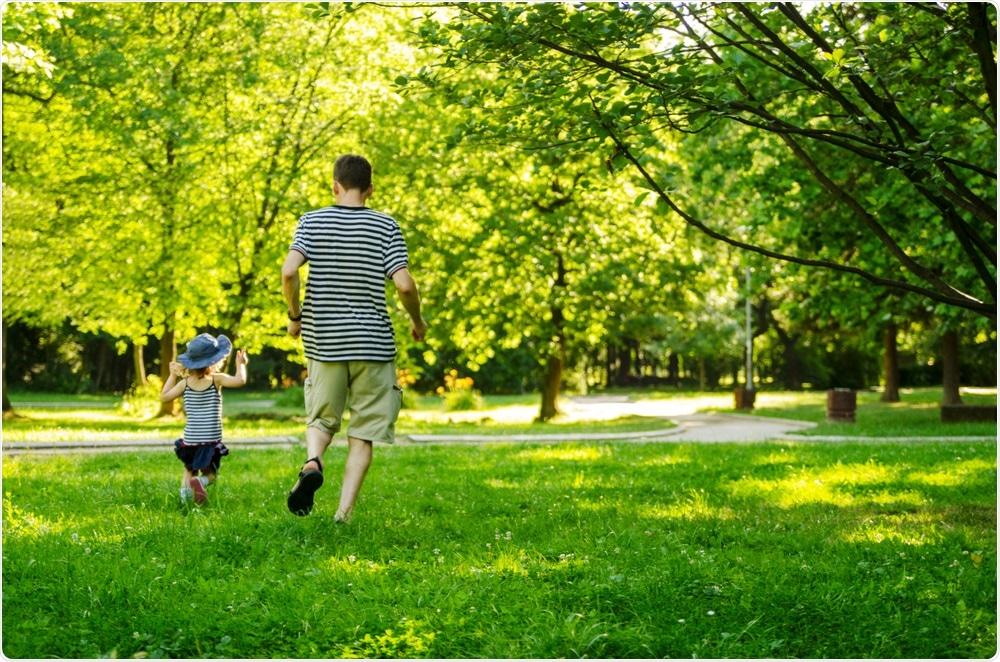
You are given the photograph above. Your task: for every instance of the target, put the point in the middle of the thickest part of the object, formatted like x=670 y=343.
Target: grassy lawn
x=918 y=414
x=609 y=550
x=255 y=414
x=51 y=418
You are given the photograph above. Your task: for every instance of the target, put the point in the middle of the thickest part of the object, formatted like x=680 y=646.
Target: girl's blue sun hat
x=204 y=351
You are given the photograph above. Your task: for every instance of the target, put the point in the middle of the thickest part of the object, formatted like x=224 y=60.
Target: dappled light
x=666 y=460
x=694 y=508
x=911 y=529
x=574 y=454
x=655 y=539
x=957 y=474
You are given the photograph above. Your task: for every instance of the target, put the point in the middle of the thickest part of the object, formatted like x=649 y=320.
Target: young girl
x=201 y=449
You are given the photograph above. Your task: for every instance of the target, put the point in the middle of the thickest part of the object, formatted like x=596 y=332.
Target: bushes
x=143 y=401
x=459 y=394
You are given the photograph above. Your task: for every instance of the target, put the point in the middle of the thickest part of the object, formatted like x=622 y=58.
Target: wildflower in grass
x=352 y=558
x=680 y=620
x=711 y=613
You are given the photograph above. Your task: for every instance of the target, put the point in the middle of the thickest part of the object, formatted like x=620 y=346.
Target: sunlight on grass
x=665 y=461
x=954 y=475
x=513 y=552
x=780 y=457
x=18 y=523
x=696 y=508
x=868 y=473
x=791 y=492
x=909 y=529
x=582 y=453
x=500 y=484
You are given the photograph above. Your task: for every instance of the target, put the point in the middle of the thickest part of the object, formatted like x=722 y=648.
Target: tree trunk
x=138 y=364
x=624 y=364
x=168 y=354
x=550 y=388
x=890 y=365
x=609 y=352
x=554 y=369
x=702 y=378
x=949 y=368
x=673 y=369
x=8 y=408
x=792 y=376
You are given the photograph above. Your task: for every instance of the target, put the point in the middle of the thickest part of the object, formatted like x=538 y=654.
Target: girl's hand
x=241 y=357
x=176 y=369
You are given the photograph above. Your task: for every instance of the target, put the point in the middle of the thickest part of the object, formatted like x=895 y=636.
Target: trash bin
x=841 y=405
x=744 y=397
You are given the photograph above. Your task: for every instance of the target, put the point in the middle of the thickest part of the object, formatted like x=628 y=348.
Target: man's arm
x=290 y=286
x=410 y=297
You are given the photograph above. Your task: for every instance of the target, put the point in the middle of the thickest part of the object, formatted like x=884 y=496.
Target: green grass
x=243 y=419
x=573 y=550
x=918 y=414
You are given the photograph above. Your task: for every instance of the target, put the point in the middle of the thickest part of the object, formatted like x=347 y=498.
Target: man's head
x=352 y=171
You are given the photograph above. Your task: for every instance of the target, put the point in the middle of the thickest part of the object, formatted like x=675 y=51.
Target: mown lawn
x=261 y=414
x=46 y=417
x=609 y=550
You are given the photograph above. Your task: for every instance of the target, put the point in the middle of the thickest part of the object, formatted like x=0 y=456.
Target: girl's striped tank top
x=204 y=415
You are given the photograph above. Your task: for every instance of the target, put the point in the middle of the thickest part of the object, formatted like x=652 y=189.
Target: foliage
x=571 y=550
x=855 y=107
x=142 y=401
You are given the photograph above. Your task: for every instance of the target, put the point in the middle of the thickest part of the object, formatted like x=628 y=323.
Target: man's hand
x=295 y=329
x=419 y=330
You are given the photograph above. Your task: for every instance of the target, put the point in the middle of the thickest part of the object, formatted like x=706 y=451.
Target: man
x=345 y=327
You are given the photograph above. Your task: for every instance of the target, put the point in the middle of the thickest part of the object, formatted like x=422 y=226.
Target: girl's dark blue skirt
x=200 y=457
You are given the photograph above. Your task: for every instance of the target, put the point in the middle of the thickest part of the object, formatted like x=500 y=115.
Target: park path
x=691 y=427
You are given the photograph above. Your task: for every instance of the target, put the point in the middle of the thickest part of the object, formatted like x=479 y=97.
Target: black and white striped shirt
x=351 y=252
x=203 y=410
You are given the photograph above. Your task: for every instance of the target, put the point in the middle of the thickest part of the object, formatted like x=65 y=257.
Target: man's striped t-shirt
x=351 y=252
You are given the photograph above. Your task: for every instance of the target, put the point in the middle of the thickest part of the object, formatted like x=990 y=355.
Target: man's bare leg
x=317 y=441
x=359 y=458
x=300 y=499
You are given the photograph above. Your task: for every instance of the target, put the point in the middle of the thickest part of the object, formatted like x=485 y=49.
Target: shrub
x=459 y=394
x=143 y=401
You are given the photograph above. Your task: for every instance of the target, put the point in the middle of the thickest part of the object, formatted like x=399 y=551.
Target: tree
x=638 y=76
x=169 y=203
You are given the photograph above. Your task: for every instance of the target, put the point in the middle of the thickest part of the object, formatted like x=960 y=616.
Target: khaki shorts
x=375 y=398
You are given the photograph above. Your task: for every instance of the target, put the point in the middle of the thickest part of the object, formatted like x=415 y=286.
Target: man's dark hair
x=352 y=171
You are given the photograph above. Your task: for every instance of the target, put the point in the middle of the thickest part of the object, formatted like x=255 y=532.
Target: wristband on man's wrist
x=294 y=318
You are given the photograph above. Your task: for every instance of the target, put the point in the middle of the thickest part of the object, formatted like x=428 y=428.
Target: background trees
x=582 y=187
